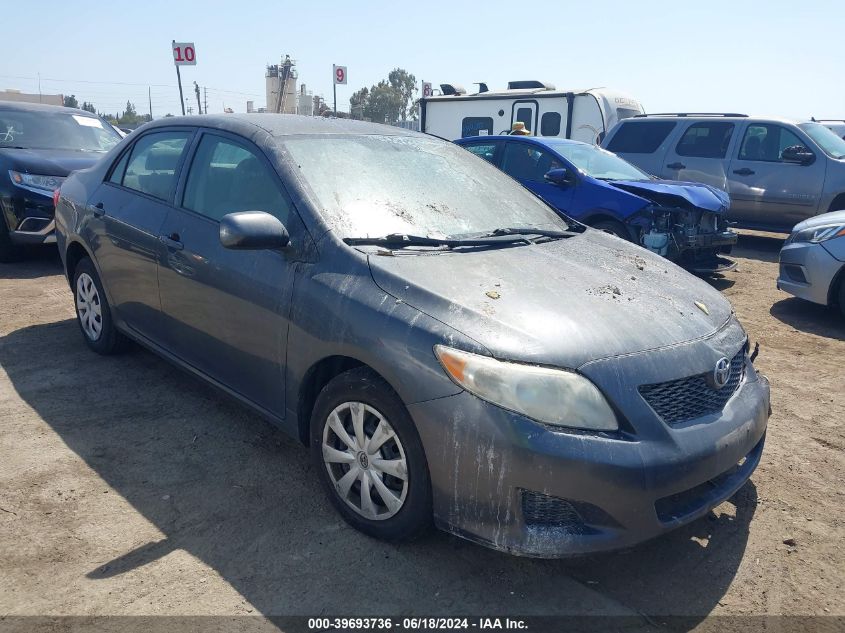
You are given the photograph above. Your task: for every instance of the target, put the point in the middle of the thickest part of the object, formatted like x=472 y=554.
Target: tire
x=92 y=311
x=398 y=510
x=9 y=252
x=841 y=295
x=613 y=227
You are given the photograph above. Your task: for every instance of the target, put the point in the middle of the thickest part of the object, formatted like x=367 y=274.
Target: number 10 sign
x=184 y=54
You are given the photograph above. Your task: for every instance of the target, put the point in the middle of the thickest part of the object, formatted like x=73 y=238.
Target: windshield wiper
x=527 y=230
x=400 y=240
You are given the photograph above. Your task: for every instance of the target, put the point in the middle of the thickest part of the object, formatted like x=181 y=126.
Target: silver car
x=777 y=172
x=812 y=261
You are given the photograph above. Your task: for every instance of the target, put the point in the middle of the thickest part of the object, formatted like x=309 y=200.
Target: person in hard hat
x=518 y=129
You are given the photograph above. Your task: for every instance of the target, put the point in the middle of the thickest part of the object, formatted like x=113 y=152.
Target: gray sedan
x=812 y=260
x=451 y=349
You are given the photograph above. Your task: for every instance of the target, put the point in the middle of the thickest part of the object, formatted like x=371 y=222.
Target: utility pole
x=179 y=79
x=150 y=97
x=199 y=105
x=205 y=98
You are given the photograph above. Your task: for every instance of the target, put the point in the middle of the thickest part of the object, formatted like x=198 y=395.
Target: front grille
x=685 y=399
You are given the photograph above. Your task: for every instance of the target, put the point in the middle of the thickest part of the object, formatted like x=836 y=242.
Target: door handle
x=676 y=166
x=99 y=210
x=171 y=241
x=744 y=172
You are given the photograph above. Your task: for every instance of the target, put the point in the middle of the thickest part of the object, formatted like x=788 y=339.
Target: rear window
x=642 y=137
x=706 y=140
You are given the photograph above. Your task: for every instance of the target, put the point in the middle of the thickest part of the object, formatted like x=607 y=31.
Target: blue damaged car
x=682 y=221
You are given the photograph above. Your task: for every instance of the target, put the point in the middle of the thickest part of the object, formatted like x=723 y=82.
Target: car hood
x=49 y=162
x=562 y=303
x=672 y=193
x=834 y=217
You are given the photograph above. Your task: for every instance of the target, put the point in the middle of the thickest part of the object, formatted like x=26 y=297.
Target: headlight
x=818 y=233
x=552 y=396
x=35 y=181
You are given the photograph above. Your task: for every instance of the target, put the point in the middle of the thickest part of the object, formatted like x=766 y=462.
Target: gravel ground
x=128 y=487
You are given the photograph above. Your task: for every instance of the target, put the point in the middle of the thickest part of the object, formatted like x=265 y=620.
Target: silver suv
x=777 y=172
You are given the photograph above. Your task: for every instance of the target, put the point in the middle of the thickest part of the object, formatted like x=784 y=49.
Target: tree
x=388 y=101
x=131 y=117
x=71 y=102
x=384 y=104
x=89 y=107
x=357 y=103
x=405 y=84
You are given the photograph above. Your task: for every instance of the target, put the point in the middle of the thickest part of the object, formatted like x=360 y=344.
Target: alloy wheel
x=365 y=460
x=88 y=307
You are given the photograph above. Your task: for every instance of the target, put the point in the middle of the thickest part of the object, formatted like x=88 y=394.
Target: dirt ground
x=128 y=487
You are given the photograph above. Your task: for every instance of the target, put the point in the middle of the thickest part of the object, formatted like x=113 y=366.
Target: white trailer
x=582 y=115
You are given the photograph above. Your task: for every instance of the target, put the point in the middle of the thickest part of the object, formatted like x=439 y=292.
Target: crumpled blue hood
x=675 y=193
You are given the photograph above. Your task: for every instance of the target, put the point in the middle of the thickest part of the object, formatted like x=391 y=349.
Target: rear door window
x=153 y=163
x=641 y=137
x=487 y=151
x=227 y=177
x=709 y=139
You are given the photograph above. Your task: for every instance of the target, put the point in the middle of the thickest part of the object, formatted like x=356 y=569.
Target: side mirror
x=253 y=230
x=558 y=177
x=798 y=154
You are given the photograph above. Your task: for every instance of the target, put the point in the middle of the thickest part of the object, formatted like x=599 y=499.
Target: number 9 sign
x=340 y=75
x=184 y=54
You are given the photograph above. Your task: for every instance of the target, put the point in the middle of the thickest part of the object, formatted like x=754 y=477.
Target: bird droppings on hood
x=492 y=294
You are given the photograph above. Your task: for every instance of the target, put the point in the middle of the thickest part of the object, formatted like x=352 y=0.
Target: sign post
x=184 y=54
x=339 y=78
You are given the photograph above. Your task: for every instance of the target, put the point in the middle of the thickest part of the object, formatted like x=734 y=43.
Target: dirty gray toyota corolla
x=449 y=346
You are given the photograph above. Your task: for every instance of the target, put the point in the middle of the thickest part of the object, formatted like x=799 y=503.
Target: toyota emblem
x=721 y=373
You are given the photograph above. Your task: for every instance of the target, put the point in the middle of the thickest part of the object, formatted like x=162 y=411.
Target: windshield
x=599 y=163
x=55 y=130
x=370 y=186
x=831 y=144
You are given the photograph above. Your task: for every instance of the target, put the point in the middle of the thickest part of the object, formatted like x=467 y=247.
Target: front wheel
x=93 y=312
x=842 y=295
x=370 y=458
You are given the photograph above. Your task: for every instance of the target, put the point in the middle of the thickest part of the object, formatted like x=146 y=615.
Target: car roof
x=22 y=106
x=697 y=118
x=283 y=125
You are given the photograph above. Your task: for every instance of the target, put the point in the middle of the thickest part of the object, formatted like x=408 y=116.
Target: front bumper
x=497 y=477
x=807 y=270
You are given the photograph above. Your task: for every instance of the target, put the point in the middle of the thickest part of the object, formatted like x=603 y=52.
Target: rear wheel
x=9 y=252
x=613 y=227
x=370 y=458
x=92 y=311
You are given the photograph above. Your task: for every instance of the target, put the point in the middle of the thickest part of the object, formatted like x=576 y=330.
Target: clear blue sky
x=774 y=57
